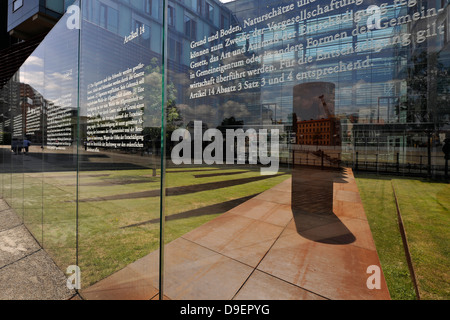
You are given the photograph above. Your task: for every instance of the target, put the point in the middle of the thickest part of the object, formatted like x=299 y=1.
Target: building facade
x=317 y=132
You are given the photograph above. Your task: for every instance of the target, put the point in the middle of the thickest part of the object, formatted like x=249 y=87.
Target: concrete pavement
x=26 y=271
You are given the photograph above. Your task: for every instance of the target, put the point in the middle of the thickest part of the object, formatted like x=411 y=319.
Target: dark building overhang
x=34 y=26
x=13 y=57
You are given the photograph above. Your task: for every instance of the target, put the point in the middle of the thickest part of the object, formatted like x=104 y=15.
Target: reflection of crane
x=329 y=115
x=334 y=123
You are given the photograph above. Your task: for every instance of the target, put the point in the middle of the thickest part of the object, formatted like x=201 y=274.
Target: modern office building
x=111 y=94
x=24 y=26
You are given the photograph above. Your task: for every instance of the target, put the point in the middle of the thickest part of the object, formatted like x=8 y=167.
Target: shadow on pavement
x=312 y=206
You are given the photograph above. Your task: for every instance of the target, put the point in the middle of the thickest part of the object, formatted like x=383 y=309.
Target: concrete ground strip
x=26 y=271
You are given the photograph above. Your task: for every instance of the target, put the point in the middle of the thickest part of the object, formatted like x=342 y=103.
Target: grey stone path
x=26 y=271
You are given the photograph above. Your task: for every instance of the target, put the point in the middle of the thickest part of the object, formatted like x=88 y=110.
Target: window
x=103 y=17
x=171 y=16
x=190 y=27
x=175 y=50
x=223 y=22
x=108 y=18
x=67 y=4
x=112 y=21
x=54 y=5
x=17 y=4
x=144 y=33
x=209 y=11
x=200 y=6
x=148 y=6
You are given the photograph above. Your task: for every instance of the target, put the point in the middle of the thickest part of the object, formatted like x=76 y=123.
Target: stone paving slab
x=263 y=249
x=263 y=286
x=35 y=277
x=27 y=272
x=337 y=272
x=198 y=273
x=125 y=284
x=15 y=244
x=265 y=211
x=3 y=205
x=9 y=220
x=240 y=238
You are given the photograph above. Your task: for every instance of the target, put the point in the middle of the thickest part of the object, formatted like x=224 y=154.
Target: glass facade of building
x=136 y=122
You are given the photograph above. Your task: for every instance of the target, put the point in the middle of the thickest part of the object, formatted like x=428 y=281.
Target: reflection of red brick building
x=317 y=132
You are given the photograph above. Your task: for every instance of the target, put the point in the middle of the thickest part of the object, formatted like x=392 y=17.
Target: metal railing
x=383 y=163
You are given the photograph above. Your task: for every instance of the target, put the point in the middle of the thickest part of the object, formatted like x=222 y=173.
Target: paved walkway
x=313 y=243
x=26 y=271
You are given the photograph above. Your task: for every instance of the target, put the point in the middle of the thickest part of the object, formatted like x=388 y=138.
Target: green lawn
x=110 y=233
x=425 y=208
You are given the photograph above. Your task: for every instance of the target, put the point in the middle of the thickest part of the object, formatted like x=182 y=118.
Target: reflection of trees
x=230 y=123
x=234 y=109
x=153 y=93
x=427 y=84
x=173 y=117
x=153 y=97
x=417 y=85
x=427 y=103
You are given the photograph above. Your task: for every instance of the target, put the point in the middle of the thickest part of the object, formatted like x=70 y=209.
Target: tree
x=153 y=100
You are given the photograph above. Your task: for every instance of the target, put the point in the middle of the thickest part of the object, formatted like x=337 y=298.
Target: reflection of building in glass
x=112 y=22
x=91 y=102
x=404 y=88
x=320 y=132
x=27 y=19
x=314 y=110
x=393 y=90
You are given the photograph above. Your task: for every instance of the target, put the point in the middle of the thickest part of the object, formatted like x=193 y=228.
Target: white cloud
x=34 y=61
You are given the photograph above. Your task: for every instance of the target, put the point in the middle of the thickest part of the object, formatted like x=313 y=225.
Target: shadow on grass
x=176 y=191
x=209 y=175
x=208 y=210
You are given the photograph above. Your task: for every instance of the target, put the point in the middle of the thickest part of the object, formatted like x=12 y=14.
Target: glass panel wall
x=33 y=97
x=315 y=90
x=228 y=148
x=120 y=148
x=211 y=149
x=39 y=143
x=16 y=162
x=61 y=146
x=81 y=136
